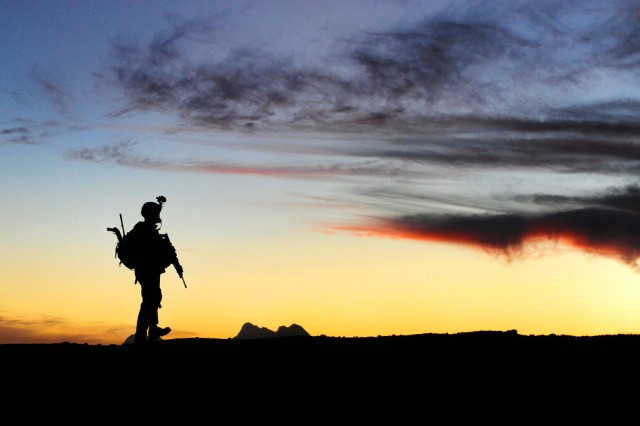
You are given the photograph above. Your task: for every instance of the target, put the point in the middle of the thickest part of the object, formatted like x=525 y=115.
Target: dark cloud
x=563 y=146
x=436 y=92
x=19 y=135
x=397 y=75
x=608 y=224
x=625 y=199
x=13 y=131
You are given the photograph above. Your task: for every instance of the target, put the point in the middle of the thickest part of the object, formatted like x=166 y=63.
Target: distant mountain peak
x=251 y=331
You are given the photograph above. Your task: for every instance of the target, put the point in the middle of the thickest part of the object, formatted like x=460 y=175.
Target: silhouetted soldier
x=156 y=254
x=148 y=252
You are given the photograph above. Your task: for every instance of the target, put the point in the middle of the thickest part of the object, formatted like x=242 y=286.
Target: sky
x=358 y=168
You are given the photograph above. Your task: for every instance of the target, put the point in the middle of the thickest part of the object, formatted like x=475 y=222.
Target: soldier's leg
x=147 y=315
x=155 y=296
x=141 y=326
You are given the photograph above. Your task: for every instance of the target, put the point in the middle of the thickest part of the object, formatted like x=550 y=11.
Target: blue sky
x=504 y=126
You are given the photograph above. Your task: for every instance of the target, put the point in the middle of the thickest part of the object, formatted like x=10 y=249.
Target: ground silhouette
x=459 y=351
x=484 y=375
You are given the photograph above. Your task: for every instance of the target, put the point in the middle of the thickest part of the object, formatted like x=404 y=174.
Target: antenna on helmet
x=161 y=200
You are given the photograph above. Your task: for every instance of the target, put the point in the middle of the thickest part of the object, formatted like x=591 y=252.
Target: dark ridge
x=250 y=331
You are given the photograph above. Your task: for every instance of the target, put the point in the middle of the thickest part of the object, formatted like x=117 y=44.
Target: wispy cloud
x=473 y=63
x=53 y=90
x=123 y=154
x=49 y=329
x=19 y=135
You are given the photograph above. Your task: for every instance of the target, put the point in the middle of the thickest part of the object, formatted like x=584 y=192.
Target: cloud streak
x=123 y=154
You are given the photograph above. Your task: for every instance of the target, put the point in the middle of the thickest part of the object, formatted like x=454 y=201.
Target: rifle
x=174 y=261
x=117 y=231
x=174 y=256
x=119 y=235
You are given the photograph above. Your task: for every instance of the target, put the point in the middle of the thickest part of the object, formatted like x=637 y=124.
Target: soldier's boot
x=156 y=332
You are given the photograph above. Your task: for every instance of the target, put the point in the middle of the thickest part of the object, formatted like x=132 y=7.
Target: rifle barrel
x=122 y=225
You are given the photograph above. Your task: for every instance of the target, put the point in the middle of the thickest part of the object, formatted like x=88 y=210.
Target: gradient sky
x=358 y=168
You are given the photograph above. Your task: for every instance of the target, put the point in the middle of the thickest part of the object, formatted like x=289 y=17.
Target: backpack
x=127 y=247
x=130 y=250
x=127 y=251
x=133 y=250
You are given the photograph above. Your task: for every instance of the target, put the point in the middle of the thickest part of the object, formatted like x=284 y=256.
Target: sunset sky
x=358 y=168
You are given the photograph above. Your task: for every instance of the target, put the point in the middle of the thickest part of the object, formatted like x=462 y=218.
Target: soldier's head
x=151 y=212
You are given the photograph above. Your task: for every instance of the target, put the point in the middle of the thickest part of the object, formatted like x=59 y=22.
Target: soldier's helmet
x=151 y=212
